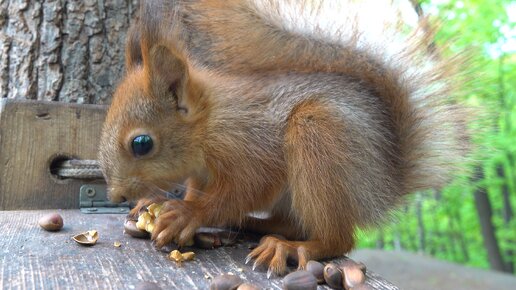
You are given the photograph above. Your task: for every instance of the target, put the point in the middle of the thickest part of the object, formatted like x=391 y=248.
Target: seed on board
x=88 y=238
x=247 y=286
x=353 y=275
x=300 y=280
x=207 y=240
x=317 y=269
x=362 y=286
x=352 y=263
x=225 y=282
x=147 y=286
x=333 y=276
x=227 y=238
x=131 y=229
x=51 y=222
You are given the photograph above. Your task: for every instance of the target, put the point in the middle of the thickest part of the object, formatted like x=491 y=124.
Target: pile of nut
x=146 y=219
x=204 y=240
x=345 y=275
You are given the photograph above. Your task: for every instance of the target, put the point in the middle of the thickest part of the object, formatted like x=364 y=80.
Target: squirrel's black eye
x=142 y=144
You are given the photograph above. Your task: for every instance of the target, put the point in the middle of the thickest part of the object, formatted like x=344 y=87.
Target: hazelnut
x=333 y=276
x=317 y=269
x=225 y=282
x=51 y=222
x=300 y=280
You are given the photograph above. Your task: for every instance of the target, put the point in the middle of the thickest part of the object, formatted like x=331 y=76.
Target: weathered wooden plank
x=32 y=258
x=32 y=135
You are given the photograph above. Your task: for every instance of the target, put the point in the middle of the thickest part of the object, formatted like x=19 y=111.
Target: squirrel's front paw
x=177 y=222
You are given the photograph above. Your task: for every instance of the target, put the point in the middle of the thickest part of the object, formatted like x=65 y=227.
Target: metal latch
x=93 y=199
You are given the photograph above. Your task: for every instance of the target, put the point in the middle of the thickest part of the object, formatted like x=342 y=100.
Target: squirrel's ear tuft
x=133 y=49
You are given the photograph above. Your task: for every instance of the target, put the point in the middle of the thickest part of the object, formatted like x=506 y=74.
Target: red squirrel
x=297 y=108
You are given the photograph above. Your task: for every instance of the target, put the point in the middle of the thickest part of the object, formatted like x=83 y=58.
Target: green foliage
x=450 y=223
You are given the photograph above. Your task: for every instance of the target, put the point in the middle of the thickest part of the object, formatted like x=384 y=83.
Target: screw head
x=90 y=191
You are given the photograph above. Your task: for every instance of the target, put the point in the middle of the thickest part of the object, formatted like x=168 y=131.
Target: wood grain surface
x=32 y=258
x=32 y=135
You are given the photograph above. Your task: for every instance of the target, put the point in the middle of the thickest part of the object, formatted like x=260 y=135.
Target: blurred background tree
x=471 y=221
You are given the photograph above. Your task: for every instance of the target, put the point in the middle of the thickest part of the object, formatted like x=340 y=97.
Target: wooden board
x=32 y=258
x=32 y=135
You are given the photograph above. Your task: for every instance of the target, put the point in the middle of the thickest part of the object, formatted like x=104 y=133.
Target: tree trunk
x=380 y=242
x=420 y=224
x=507 y=210
x=60 y=50
x=488 y=231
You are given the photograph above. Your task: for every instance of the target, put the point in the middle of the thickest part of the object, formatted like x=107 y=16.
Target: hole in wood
x=43 y=115
x=56 y=165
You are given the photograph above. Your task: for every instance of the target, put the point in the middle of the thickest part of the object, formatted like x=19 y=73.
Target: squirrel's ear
x=165 y=67
x=168 y=73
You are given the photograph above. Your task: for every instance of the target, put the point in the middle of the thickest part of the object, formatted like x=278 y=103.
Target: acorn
x=226 y=282
x=333 y=276
x=300 y=280
x=51 y=222
x=317 y=269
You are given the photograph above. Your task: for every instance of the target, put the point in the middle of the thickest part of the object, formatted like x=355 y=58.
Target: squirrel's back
x=364 y=41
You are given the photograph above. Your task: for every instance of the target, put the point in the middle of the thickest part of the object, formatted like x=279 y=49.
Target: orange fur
x=325 y=132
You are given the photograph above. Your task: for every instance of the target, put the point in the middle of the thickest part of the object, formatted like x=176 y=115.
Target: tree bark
x=507 y=212
x=485 y=213
x=420 y=224
x=61 y=50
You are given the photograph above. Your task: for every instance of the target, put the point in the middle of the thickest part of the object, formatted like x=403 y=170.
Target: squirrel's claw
x=273 y=252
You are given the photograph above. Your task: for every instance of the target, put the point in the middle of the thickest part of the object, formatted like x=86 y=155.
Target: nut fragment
x=88 y=238
x=188 y=256
x=117 y=244
x=333 y=276
x=179 y=257
x=51 y=222
x=154 y=209
x=131 y=229
x=300 y=280
x=225 y=282
x=317 y=269
x=144 y=220
x=176 y=256
x=247 y=286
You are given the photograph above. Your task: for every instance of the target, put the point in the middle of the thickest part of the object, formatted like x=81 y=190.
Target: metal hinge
x=93 y=199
